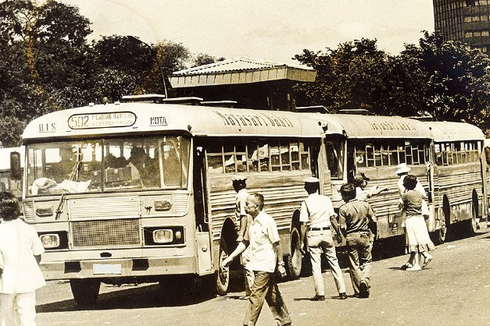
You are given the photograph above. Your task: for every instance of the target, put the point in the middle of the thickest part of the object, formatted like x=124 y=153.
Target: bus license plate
x=107 y=269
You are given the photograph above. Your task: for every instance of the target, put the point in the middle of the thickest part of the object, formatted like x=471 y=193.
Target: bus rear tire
x=295 y=259
x=85 y=292
x=223 y=274
x=442 y=233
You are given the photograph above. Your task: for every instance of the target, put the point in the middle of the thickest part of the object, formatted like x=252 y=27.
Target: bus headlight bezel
x=50 y=240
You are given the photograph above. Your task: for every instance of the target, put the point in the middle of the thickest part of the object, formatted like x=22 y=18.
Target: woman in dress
x=419 y=241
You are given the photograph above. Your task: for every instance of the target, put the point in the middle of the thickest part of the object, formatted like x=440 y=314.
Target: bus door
x=334 y=148
x=203 y=236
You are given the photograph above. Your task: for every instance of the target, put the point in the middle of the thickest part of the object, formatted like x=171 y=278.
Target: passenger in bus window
x=357 y=221
x=65 y=168
x=243 y=221
x=172 y=167
x=418 y=237
x=315 y=216
x=142 y=169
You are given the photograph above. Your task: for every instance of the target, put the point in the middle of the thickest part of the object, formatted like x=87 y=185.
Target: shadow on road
x=135 y=297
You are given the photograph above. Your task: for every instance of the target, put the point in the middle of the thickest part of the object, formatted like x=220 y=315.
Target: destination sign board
x=101 y=120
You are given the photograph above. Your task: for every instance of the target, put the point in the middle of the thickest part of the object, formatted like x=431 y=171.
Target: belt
x=360 y=231
x=320 y=229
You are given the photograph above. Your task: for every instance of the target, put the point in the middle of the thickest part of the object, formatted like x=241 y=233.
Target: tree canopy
x=48 y=64
x=443 y=79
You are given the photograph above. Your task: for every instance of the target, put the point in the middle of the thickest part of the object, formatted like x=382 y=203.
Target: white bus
x=447 y=157
x=457 y=177
x=104 y=215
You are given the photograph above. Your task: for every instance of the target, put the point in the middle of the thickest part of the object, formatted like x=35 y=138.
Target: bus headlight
x=50 y=241
x=163 y=236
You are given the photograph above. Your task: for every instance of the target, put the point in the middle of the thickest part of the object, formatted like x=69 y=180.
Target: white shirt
x=19 y=243
x=241 y=198
x=262 y=235
x=316 y=210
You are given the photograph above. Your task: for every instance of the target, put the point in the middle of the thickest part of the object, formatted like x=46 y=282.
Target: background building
x=467 y=21
x=251 y=83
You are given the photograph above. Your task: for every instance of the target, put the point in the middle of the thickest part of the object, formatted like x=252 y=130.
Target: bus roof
x=134 y=117
x=369 y=126
x=450 y=131
x=5 y=156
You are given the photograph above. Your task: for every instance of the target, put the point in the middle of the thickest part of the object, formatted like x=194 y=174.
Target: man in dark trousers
x=356 y=220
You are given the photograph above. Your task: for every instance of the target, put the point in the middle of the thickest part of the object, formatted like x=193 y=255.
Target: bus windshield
x=107 y=165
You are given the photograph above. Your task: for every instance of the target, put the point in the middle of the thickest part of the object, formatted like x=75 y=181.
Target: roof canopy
x=241 y=71
x=453 y=131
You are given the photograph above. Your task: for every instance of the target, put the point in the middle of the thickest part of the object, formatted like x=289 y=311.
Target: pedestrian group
x=355 y=225
x=258 y=246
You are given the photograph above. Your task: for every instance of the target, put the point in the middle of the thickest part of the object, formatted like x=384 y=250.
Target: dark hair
x=9 y=206
x=348 y=191
x=410 y=182
x=358 y=180
x=312 y=187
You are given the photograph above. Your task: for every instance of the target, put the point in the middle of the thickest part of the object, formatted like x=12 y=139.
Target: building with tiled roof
x=252 y=83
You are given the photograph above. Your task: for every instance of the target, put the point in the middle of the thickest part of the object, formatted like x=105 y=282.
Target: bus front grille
x=106 y=233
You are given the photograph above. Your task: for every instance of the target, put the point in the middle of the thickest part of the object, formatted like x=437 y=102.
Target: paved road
x=454 y=290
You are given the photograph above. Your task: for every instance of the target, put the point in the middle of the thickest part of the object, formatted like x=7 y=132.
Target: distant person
x=65 y=169
x=402 y=171
x=418 y=237
x=363 y=192
x=243 y=220
x=172 y=167
x=315 y=216
x=20 y=275
x=357 y=221
x=265 y=257
x=141 y=168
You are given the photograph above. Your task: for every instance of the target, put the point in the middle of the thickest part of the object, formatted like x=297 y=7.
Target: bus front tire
x=85 y=292
x=223 y=274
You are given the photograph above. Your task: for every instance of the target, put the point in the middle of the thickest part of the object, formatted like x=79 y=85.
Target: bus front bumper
x=115 y=268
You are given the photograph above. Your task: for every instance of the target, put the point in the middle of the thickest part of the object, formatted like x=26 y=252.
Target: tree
x=204 y=59
x=444 y=79
x=42 y=48
x=453 y=80
x=351 y=75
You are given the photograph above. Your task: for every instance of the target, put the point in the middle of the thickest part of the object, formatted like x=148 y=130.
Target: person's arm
x=373 y=225
x=239 y=249
x=334 y=223
x=280 y=262
x=303 y=218
x=376 y=190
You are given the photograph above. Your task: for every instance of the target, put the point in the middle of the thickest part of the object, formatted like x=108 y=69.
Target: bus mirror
x=15 y=169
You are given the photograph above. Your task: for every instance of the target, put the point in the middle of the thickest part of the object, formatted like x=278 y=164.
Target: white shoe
x=427 y=259
x=415 y=268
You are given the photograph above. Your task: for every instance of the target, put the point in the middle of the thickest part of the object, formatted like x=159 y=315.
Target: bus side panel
x=283 y=193
x=454 y=186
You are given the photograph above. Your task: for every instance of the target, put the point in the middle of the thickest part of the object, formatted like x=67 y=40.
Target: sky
x=272 y=30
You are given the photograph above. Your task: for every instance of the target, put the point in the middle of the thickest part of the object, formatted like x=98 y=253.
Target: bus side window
x=214 y=156
x=360 y=157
